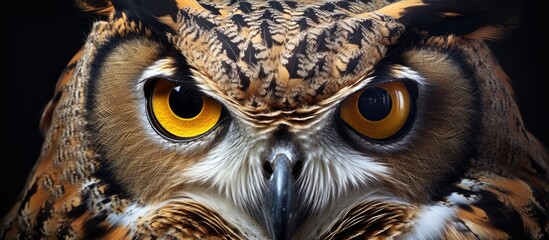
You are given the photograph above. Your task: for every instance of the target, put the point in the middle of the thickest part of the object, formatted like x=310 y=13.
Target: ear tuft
x=481 y=19
x=103 y=7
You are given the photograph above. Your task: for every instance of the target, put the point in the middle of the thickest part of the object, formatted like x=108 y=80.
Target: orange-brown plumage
x=281 y=162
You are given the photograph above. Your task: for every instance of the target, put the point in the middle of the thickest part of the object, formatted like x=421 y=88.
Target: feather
x=484 y=19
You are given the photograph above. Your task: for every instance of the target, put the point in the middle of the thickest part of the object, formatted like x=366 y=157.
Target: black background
x=40 y=37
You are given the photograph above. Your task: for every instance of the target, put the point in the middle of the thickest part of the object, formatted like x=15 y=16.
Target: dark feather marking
x=231 y=49
x=302 y=23
x=249 y=55
x=499 y=215
x=272 y=86
x=147 y=12
x=93 y=227
x=183 y=70
x=320 y=64
x=200 y=21
x=79 y=210
x=357 y=35
x=244 y=80
x=211 y=8
x=466 y=207
x=470 y=15
x=267 y=15
x=343 y=4
x=28 y=195
x=239 y=21
x=42 y=217
x=321 y=44
x=291 y=4
x=454 y=189
x=245 y=7
x=368 y=24
x=266 y=34
x=64 y=231
x=293 y=61
x=276 y=5
x=262 y=74
x=329 y=7
x=310 y=13
x=146 y=9
x=320 y=89
x=353 y=63
x=339 y=16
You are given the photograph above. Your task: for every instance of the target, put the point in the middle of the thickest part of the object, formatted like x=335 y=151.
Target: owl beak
x=281 y=199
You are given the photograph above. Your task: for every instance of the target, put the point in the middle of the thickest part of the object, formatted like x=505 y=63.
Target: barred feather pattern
x=466 y=169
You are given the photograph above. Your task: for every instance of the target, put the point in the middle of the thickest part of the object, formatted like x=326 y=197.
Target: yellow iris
x=391 y=122
x=188 y=126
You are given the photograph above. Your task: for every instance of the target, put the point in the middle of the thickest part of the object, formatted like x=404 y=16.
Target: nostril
x=298 y=166
x=267 y=167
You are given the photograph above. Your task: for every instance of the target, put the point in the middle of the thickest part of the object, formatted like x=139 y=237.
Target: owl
x=255 y=119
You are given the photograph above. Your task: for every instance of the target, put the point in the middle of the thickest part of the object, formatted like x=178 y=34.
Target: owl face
x=275 y=119
x=303 y=127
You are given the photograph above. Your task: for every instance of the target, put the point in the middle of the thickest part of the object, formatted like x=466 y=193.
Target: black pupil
x=184 y=103
x=374 y=104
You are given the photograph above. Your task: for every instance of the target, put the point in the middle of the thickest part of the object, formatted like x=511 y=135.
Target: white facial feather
x=430 y=222
x=331 y=169
x=235 y=168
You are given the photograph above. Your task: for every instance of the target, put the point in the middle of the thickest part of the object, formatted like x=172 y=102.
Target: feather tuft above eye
x=157 y=15
x=103 y=7
x=485 y=20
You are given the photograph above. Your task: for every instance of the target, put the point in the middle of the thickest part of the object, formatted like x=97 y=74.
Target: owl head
x=283 y=119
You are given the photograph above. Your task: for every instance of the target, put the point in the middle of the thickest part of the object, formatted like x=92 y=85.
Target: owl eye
x=182 y=113
x=378 y=112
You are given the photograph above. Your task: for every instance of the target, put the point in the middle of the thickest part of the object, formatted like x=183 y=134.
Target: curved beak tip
x=281 y=200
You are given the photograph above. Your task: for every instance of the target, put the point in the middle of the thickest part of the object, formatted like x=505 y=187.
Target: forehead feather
x=276 y=55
